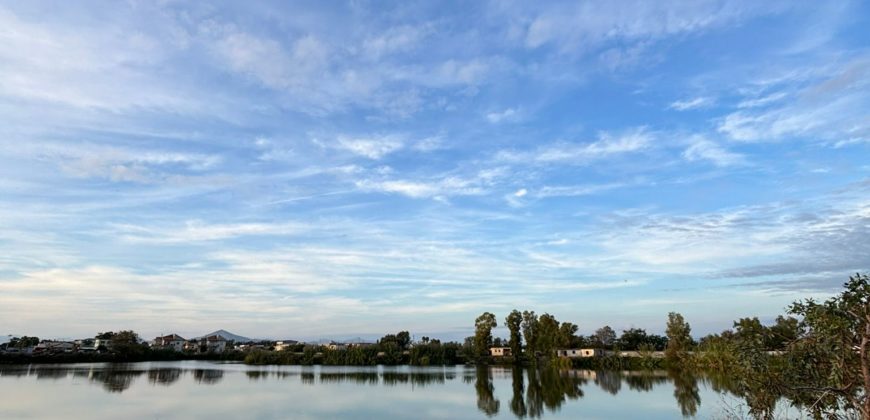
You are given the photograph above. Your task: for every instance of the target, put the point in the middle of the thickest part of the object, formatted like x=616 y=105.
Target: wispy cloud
x=695 y=103
x=828 y=109
x=703 y=149
x=373 y=147
x=608 y=144
x=507 y=115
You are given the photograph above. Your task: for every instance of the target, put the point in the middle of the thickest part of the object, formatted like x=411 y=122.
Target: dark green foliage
x=634 y=338
x=483 y=326
x=514 y=323
x=604 y=338
x=679 y=338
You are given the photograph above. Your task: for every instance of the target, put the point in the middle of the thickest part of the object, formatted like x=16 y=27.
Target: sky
x=333 y=169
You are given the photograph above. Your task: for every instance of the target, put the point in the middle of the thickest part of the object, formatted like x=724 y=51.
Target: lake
x=197 y=389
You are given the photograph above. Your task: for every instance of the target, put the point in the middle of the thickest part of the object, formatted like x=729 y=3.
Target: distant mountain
x=228 y=336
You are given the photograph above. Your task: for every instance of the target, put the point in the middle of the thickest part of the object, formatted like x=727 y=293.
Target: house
x=285 y=344
x=105 y=343
x=171 y=341
x=86 y=345
x=54 y=347
x=215 y=344
x=500 y=351
x=572 y=353
x=336 y=346
x=247 y=347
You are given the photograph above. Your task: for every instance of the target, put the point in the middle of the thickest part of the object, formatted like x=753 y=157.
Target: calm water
x=192 y=390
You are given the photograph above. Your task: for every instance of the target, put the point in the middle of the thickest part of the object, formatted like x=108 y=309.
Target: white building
x=500 y=351
x=171 y=341
x=571 y=353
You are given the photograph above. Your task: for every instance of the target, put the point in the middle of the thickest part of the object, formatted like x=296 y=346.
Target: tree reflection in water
x=208 y=376
x=644 y=380
x=686 y=391
x=486 y=401
x=534 y=391
x=518 y=404
x=167 y=376
x=115 y=377
x=547 y=389
x=609 y=380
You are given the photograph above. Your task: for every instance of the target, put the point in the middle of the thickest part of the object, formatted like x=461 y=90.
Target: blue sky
x=330 y=169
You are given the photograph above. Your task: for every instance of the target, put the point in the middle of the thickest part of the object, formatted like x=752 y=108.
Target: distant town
x=217 y=342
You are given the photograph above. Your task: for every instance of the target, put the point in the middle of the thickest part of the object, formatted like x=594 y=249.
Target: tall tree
x=605 y=336
x=514 y=322
x=530 y=331
x=567 y=331
x=483 y=326
x=679 y=337
x=548 y=334
x=403 y=339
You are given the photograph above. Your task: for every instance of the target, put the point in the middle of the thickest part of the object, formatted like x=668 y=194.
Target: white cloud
x=851 y=141
x=198 y=231
x=575 y=190
x=373 y=147
x=703 y=149
x=521 y=192
x=115 y=163
x=105 y=67
x=439 y=188
x=581 y=26
x=397 y=39
x=687 y=104
x=762 y=101
x=507 y=115
x=608 y=144
x=429 y=144
x=827 y=107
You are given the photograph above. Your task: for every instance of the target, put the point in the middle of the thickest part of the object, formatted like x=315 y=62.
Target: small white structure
x=499 y=351
x=285 y=344
x=337 y=346
x=215 y=344
x=572 y=353
x=171 y=341
x=106 y=343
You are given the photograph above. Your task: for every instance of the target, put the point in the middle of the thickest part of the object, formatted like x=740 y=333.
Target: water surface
x=196 y=389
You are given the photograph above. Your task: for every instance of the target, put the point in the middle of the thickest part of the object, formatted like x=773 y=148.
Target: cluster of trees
x=391 y=349
x=529 y=332
x=533 y=336
x=20 y=343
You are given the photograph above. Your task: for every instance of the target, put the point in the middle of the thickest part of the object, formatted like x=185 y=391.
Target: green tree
x=605 y=337
x=403 y=339
x=23 y=342
x=829 y=364
x=633 y=339
x=530 y=331
x=785 y=331
x=483 y=326
x=679 y=338
x=548 y=334
x=127 y=344
x=567 y=334
x=514 y=323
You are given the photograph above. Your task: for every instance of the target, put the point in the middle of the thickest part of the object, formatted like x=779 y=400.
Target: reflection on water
x=487 y=391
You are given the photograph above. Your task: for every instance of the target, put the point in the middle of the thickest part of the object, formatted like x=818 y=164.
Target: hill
x=227 y=336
